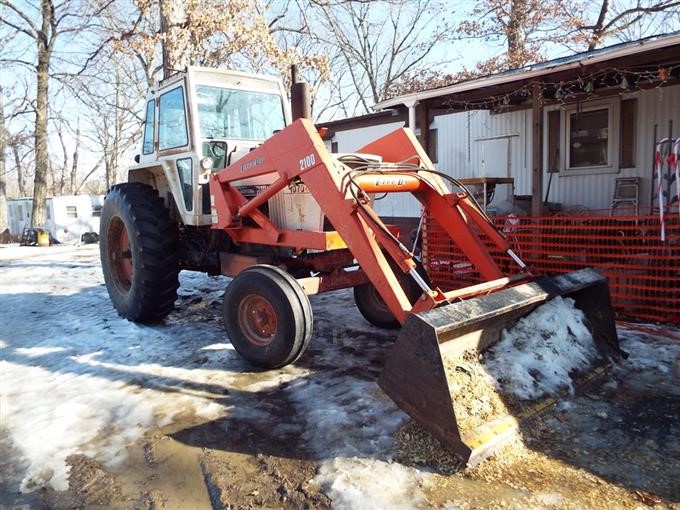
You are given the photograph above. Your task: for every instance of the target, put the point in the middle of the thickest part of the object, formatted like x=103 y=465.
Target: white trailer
x=68 y=217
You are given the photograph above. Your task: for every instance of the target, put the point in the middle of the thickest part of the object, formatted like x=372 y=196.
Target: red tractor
x=228 y=184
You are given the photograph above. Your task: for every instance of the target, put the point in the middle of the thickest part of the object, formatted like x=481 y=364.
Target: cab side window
x=147 y=146
x=172 y=120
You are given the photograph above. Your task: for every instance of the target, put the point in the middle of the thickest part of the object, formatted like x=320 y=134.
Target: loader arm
x=415 y=374
x=298 y=152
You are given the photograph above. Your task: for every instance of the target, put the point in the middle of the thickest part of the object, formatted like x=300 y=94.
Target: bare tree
x=21 y=152
x=55 y=21
x=530 y=30
x=74 y=161
x=630 y=20
x=112 y=95
x=3 y=149
x=379 y=43
x=58 y=184
x=525 y=29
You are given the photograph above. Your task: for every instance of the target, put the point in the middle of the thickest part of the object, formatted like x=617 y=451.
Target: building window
x=334 y=147
x=588 y=139
x=172 y=120
x=96 y=211
x=71 y=211
x=185 y=174
x=147 y=146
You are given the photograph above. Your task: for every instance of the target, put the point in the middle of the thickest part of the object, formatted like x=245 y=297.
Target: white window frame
x=158 y=111
x=613 y=105
x=70 y=209
x=567 y=131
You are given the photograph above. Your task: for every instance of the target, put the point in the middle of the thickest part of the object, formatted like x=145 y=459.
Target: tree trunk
x=173 y=16
x=64 y=163
x=108 y=171
x=515 y=32
x=598 y=29
x=20 y=173
x=117 y=129
x=3 y=147
x=39 y=215
x=74 y=162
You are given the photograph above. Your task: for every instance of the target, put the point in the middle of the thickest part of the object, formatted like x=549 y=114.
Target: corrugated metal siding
x=595 y=191
x=463 y=136
x=465 y=140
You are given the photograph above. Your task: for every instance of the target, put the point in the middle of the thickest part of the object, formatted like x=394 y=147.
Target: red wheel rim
x=257 y=319
x=120 y=256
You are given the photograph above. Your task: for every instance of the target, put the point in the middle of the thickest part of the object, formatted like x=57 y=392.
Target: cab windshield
x=238 y=114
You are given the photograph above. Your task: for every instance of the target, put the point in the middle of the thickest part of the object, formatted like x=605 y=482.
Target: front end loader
x=286 y=219
x=390 y=285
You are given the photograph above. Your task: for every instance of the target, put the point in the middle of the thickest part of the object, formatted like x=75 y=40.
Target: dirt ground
x=101 y=413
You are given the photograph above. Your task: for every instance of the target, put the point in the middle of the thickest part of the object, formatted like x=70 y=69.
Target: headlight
x=207 y=163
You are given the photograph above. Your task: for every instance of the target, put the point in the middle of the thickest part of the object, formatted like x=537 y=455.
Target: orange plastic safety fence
x=643 y=270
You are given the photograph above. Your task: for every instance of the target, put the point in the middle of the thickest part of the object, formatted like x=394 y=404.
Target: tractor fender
x=154 y=175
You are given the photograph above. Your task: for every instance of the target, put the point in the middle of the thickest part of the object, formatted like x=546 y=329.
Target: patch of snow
x=661 y=354
x=51 y=415
x=218 y=347
x=33 y=352
x=286 y=375
x=365 y=484
x=564 y=406
x=536 y=356
x=76 y=378
x=345 y=415
x=350 y=428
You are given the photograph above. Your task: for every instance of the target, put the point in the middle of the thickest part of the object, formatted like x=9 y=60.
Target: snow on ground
x=76 y=378
x=363 y=484
x=662 y=355
x=545 y=346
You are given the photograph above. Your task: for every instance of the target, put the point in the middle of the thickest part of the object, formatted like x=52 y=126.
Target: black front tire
x=371 y=304
x=138 y=248
x=267 y=317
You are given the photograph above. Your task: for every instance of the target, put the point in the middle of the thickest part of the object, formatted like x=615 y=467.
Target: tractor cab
x=198 y=122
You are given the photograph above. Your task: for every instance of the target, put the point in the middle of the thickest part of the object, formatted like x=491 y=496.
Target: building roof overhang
x=641 y=57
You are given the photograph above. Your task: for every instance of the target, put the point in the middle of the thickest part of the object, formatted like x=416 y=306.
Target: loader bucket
x=415 y=374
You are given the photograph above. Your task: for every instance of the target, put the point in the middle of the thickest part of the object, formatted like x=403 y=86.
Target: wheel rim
x=257 y=319
x=120 y=255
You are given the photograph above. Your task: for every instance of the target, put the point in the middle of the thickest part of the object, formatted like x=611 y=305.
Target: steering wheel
x=217 y=149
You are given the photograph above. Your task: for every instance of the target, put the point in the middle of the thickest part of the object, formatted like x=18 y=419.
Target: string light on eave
x=628 y=79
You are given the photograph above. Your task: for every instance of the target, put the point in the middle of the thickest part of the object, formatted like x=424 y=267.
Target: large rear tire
x=371 y=304
x=138 y=248
x=267 y=317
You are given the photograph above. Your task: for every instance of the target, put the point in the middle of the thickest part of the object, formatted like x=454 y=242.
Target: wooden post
x=424 y=124
x=536 y=152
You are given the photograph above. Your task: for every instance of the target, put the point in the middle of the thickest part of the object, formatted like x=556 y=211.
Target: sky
x=71 y=52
